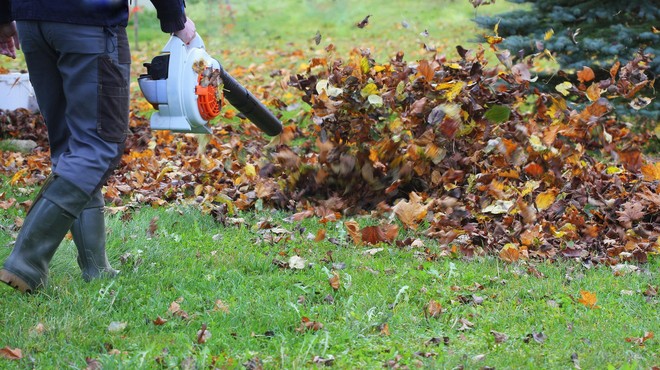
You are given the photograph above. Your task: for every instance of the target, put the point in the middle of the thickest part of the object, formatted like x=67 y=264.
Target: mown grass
x=224 y=276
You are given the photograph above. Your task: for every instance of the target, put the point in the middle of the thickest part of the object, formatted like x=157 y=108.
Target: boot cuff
x=66 y=195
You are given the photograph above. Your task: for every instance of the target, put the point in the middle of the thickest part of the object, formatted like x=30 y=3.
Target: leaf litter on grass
x=471 y=156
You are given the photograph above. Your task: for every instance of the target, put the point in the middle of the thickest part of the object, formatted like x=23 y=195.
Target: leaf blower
x=186 y=86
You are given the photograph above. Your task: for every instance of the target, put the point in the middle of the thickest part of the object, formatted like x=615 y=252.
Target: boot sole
x=14 y=281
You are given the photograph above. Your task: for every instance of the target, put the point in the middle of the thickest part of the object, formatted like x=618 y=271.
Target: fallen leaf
x=651 y=171
x=93 y=364
x=159 y=321
x=411 y=212
x=307 y=324
x=116 y=326
x=297 y=262
x=434 y=308
x=588 y=299
x=203 y=335
x=499 y=337
x=334 y=281
x=640 y=341
x=11 y=354
x=465 y=324
x=544 y=200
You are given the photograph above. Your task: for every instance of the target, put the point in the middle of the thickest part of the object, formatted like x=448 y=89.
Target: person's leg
x=94 y=65
x=45 y=226
x=91 y=131
x=88 y=232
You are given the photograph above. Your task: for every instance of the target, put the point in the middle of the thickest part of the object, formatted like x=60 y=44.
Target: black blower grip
x=249 y=105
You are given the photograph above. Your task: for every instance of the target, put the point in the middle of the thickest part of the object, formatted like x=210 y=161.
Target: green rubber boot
x=44 y=227
x=88 y=232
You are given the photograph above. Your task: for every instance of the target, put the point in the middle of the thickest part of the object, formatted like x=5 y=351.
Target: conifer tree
x=579 y=33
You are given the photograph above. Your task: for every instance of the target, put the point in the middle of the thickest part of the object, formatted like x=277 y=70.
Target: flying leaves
x=363 y=23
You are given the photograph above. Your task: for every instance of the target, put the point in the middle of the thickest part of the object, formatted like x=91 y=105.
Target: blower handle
x=249 y=105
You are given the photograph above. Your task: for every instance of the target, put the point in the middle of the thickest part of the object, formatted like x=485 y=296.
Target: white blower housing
x=175 y=96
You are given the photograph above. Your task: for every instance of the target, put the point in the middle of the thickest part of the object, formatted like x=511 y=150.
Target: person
x=78 y=59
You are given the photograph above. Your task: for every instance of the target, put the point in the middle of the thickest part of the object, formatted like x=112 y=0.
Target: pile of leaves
x=490 y=163
x=470 y=156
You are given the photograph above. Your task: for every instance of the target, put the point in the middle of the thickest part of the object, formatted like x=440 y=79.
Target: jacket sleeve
x=5 y=11
x=171 y=13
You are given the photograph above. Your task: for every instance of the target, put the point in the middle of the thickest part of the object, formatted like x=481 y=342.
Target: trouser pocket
x=113 y=99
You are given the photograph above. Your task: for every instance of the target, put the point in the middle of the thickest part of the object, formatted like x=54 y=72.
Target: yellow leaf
x=454 y=91
x=613 y=170
x=651 y=171
x=548 y=34
x=588 y=299
x=564 y=87
x=545 y=199
x=18 y=175
x=198 y=189
x=369 y=89
x=379 y=68
x=364 y=65
x=250 y=171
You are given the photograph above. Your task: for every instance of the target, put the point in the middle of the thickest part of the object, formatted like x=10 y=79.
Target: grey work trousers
x=80 y=76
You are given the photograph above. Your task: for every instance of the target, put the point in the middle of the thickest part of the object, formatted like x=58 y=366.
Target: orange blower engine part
x=207 y=101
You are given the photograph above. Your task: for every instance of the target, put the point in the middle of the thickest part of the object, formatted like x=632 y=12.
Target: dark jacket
x=90 y=12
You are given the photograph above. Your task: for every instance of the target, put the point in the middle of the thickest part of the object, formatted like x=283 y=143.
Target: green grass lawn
x=393 y=307
x=224 y=277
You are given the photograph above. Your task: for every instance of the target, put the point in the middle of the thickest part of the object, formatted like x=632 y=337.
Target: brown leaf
x=651 y=291
x=93 y=364
x=363 y=23
x=320 y=235
x=411 y=212
x=334 y=281
x=434 y=308
x=307 y=324
x=650 y=171
x=379 y=234
x=499 y=337
x=640 y=341
x=159 y=321
x=425 y=69
x=465 y=324
x=11 y=354
x=203 y=335
x=353 y=229
x=254 y=363
x=384 y=329
x=586 y=74
x=510 y=253
x=220 y=306
x=153 y=226
x=632 y=211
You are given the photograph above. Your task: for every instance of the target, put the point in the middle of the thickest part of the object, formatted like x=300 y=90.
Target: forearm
x=171 y=14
